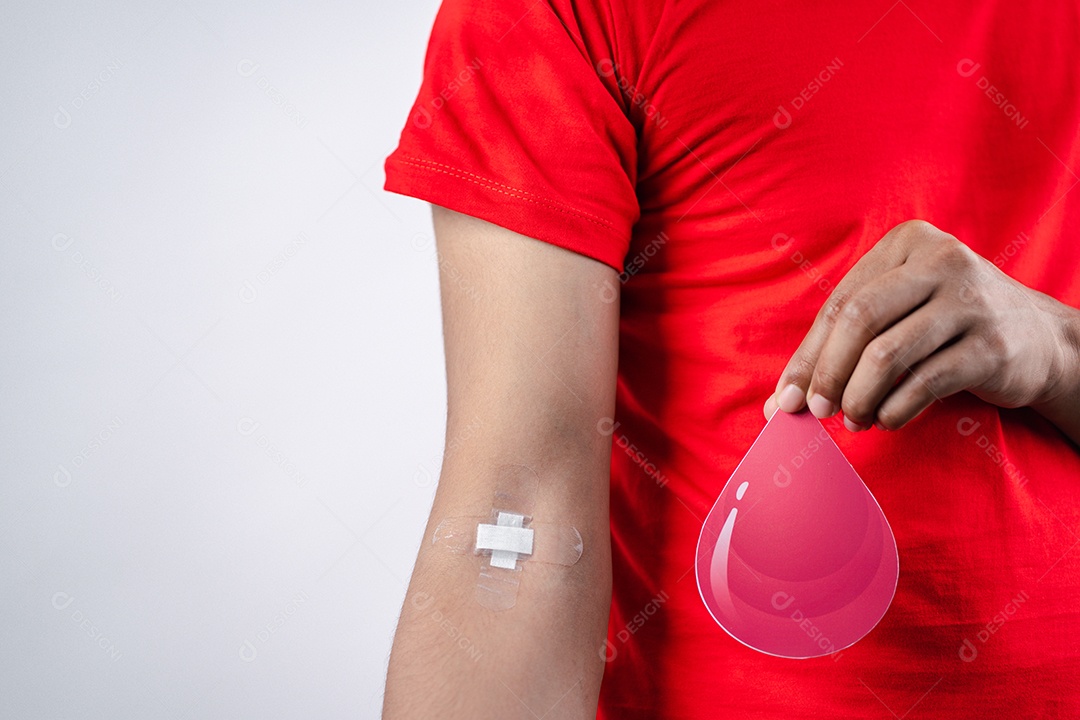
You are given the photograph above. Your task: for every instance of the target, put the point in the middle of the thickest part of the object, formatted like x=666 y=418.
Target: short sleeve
x=515 y=124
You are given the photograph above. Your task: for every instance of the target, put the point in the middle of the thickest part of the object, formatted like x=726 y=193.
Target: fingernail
x=770 y=408
x=854 y=426
x=821 y=407
x=881 y=427
x=791 y=398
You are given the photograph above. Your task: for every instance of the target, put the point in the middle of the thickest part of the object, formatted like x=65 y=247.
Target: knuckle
x=955 y=256
x=911 y=231
x=798 y=371
x=827 y=382
x=891 y=418
x=800 y=366
x=860 y=309
x=856 y=308
x=833 y=307
x=857 y=410
x=974 y=301
x=917 y=226
x=931 y=382
x=883 y=352
x=994 y=344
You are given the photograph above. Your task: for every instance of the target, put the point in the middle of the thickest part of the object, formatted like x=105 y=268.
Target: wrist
x=1062 y=392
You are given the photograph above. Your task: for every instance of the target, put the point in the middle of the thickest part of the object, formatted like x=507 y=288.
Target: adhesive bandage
x=503 y=542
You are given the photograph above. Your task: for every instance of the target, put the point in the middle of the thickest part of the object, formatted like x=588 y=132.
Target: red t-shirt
x=734 y=160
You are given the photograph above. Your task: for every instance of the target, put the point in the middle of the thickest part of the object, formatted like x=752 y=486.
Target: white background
x=221 y=383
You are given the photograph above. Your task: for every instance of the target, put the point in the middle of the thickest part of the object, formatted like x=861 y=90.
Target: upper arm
x=531 y=340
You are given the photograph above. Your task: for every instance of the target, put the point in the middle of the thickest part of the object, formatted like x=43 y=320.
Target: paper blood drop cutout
x=796 y=558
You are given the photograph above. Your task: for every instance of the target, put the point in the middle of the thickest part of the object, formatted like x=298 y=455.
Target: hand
x=920 y=317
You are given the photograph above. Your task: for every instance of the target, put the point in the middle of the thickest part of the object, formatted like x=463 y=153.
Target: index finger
x=791 y=388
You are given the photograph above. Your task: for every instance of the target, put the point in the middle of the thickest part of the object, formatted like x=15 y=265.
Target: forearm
x=453 y=658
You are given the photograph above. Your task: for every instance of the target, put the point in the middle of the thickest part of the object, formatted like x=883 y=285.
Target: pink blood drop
x=796 y=558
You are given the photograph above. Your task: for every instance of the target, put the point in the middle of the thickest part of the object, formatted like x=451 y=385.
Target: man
x=655 y=217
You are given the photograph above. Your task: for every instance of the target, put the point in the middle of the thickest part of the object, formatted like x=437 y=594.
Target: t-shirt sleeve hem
x=515 y=209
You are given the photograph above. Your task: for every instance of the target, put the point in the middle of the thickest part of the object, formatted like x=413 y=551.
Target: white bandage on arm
x=508 y=539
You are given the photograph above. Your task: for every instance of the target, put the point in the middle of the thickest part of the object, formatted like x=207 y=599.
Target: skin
x=924 y=309
x=531 y=357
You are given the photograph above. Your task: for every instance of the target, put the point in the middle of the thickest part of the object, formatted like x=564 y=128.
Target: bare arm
x=531 y=355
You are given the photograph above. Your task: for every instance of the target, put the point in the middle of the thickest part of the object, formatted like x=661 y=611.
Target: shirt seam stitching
x=499 y=187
